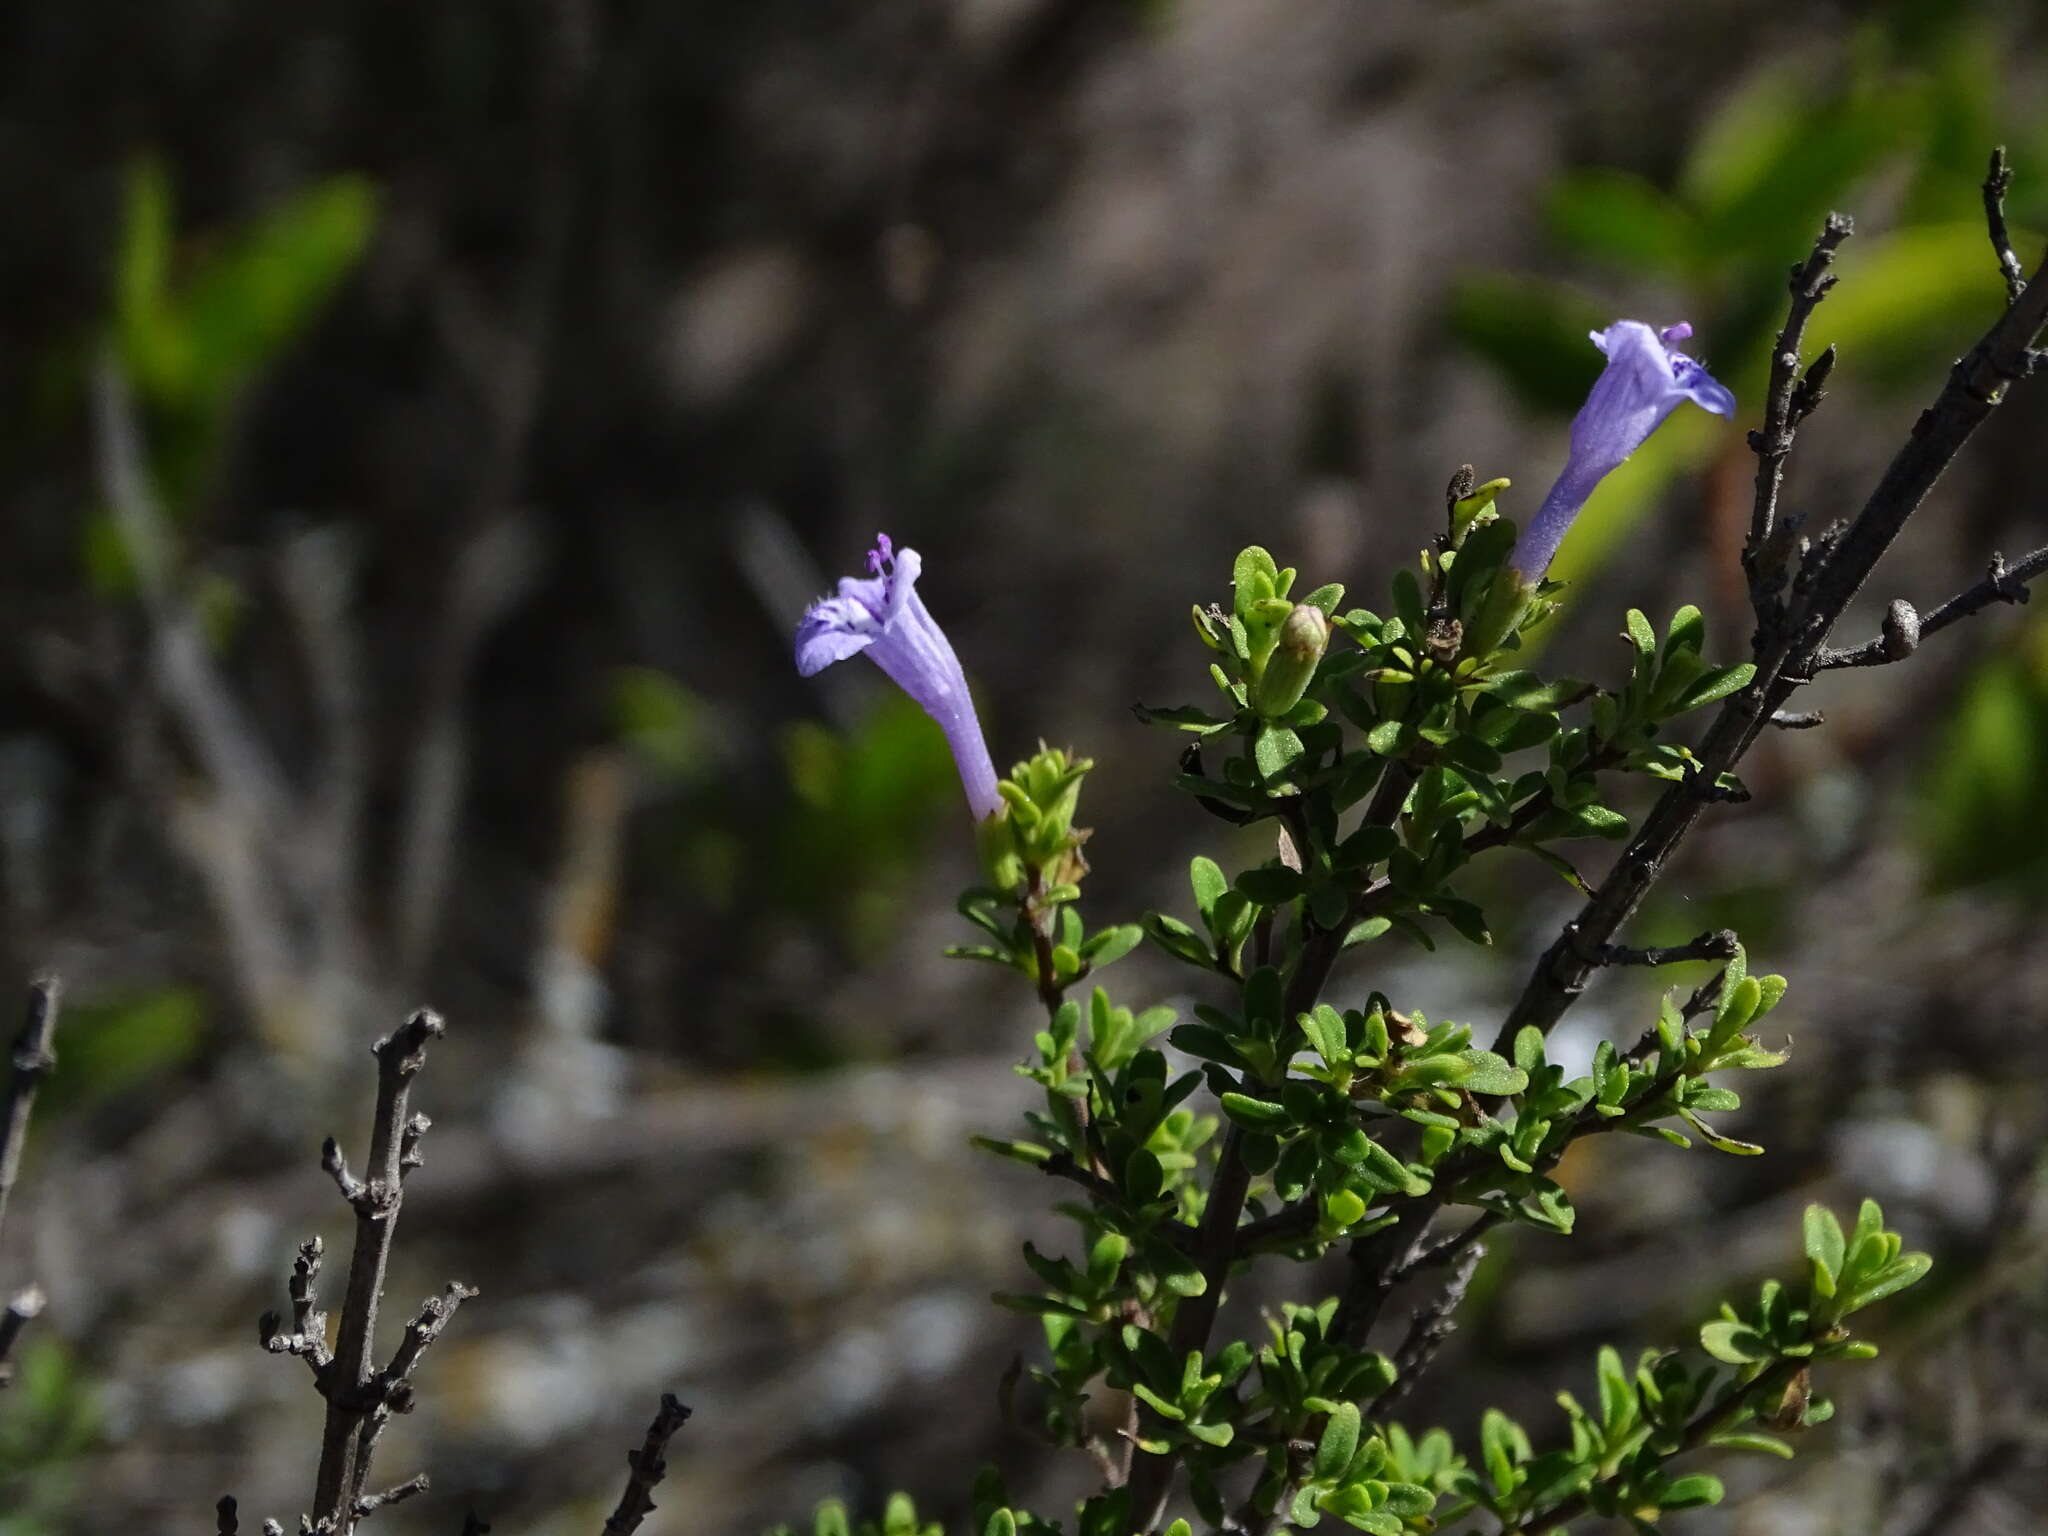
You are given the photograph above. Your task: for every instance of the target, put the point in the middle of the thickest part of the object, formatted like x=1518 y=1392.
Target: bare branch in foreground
x=361 y=1399
x=648 y=1468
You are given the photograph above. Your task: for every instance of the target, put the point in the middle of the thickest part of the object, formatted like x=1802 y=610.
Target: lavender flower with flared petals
x=1645 y=380
x=881 y=613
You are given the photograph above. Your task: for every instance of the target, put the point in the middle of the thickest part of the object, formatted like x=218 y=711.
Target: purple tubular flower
x=881 y=613
x=1645 y=380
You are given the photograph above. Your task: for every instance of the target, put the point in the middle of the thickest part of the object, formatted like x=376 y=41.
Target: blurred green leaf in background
x=192 y=324
x=1983 y=800
x=51 y=1421
x=112 y=1045
x=865 y=801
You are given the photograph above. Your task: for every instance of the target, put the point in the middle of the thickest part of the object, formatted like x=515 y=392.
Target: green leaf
x=1717 y=684
x=1641 y=634
x=1734 y=1343
x=1338 y=1444
x=1388 y=1174
x=1207 y=878
x=1687 y=632
x=1028 y=1153
x=1186 y=716
x=1824 y=1246
x=1492 y=1074
x=1158 y=1404
x=1618 y=1404
x=1768 y=1445
x=1869 y=1228
x=1112 y=944
x=1206 y=1042
x=1365 y=932
x=1716 y=1140
x=1256 y=1114
x=1178 y=939
x=1528 y=691
x=1276 y=750
x=1907 y=1269
x=1325 y=1032
x=1622 y=218
x=1143 y=1177
x=1273 y=886
x=1691 y=1492
x=1500 y=1438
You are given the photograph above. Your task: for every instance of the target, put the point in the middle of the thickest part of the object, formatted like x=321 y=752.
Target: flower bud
x=1304 y=636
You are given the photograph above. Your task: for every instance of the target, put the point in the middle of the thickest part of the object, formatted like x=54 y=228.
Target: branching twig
x=1449 y=1250
x=1787 y=401
x=308 y=1338
x=1902 y=635
x=361 y=1400
x=1997 y=182
x=1432 y=1325
x=648 y=1468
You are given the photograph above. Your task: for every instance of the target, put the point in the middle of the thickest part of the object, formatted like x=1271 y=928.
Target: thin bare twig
x=370 y=1503
x=1718 y=945
x=1997 y=182
x=308 y=1338
x=31 y=1063
x=648 y=1468
x=1431 y=1326
x=1786 y=402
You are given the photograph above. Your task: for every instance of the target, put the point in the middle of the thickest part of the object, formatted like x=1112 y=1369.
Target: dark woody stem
x=1216 y=1241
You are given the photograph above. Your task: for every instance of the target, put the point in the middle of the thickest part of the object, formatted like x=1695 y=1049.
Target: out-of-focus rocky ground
x=667 y=309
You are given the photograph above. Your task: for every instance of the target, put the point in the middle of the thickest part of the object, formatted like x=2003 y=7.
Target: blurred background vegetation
x=420 y=428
